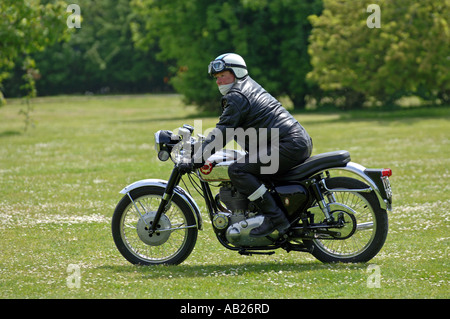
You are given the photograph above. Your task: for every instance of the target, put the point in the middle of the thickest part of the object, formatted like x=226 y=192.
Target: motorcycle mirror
x=185 y=134
x=190 y=128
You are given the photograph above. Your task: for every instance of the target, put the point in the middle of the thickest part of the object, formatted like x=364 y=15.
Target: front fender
x=187 y=198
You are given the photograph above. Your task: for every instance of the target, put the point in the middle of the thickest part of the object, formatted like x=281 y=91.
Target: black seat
x=315 y=164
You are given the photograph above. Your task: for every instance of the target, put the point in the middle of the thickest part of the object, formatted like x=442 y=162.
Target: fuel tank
x=216 y=167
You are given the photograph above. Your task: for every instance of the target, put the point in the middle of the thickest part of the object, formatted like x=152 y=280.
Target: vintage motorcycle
x=335 y=218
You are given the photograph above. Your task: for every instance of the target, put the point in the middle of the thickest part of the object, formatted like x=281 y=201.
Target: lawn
x=60 y=181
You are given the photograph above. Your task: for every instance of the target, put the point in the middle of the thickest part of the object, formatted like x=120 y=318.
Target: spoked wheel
x=174 y=238
x=370 y=231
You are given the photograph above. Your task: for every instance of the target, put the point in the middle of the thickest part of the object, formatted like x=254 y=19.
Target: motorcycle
x=334 y=217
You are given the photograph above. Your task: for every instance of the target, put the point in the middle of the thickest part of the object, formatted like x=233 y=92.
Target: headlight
x=163 y=155
x=164 y=141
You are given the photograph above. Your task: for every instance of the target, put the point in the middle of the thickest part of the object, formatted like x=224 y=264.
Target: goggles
x=217 y=66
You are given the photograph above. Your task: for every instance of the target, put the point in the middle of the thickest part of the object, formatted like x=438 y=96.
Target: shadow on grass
x=187 y=118
x=192 y=271
x=9 y=133
x=380 y=114
x=332 y=115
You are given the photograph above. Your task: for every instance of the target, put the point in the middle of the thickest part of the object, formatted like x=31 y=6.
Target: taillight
x=386 y=172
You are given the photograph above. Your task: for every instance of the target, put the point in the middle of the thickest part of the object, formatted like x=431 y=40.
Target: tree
x=99 y=57
x=270 y=35
x=407 y=54
x=28 y=26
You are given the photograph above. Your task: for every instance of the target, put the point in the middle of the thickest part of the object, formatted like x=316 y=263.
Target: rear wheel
x=174 y=238
x=371 y=225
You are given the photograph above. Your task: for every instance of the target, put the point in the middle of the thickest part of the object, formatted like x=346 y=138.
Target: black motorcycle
x=334 y=217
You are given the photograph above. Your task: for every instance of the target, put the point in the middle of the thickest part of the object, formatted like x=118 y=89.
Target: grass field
x=60 y=182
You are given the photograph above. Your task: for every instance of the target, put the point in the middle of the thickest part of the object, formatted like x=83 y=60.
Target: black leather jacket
x=248 y=105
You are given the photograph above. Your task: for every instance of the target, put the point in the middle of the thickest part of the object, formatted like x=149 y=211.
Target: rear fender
x=178 y=190
x=360 y=170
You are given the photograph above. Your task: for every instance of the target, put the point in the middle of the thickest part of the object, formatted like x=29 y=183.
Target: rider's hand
x=185 y=168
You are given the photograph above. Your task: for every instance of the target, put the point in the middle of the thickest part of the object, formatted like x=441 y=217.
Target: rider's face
x=225 y=77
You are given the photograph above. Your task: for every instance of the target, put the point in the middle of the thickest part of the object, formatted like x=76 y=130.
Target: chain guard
x=343 y=226
x=346 y=227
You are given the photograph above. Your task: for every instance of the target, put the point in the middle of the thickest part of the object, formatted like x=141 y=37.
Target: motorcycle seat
x=315 y=164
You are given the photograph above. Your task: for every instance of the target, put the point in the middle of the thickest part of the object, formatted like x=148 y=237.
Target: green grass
x=60 y=182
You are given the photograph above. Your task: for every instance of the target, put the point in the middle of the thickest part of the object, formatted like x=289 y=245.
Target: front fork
x=167 y=196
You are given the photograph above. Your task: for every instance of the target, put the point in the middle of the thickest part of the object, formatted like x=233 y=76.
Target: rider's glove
x=185 y=168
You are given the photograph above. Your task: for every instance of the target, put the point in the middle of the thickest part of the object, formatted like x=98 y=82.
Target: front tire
x=130 y=223
x=371 y=230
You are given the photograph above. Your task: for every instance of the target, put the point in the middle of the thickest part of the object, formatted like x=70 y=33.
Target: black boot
x=274 y=217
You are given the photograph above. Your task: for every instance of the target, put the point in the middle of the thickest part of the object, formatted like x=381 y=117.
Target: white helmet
x=231 y=62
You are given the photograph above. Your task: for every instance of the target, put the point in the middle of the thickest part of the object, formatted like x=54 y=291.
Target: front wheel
x=174 y=238
x=371 y=225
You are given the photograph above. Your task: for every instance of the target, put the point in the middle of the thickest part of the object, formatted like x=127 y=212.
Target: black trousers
x=246 y=174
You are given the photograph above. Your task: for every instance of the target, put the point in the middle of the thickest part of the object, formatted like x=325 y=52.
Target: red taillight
x=386 y=172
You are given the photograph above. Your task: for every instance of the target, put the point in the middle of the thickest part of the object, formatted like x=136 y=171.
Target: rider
x=245 y=104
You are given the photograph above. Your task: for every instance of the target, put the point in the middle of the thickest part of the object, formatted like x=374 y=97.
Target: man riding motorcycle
x=245 y=104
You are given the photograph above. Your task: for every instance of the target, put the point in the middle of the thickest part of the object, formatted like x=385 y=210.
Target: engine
x=238 y=218
x=236 y=207
x=233 y=200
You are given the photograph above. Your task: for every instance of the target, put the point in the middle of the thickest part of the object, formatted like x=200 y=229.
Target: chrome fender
x=358 y=170
x=178 y=190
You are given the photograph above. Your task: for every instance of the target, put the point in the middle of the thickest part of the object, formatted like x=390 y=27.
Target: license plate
x=387 y=187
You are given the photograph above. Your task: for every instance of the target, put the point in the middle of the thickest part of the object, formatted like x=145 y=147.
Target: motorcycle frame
x=317 y=182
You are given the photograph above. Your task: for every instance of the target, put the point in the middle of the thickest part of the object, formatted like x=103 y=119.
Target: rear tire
x=371 y=230
x=170 y=247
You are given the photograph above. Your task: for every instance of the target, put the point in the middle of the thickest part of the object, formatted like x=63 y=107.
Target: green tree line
x=321 y=51
x=99 y=56
x=27 y=26
x=408 y=54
